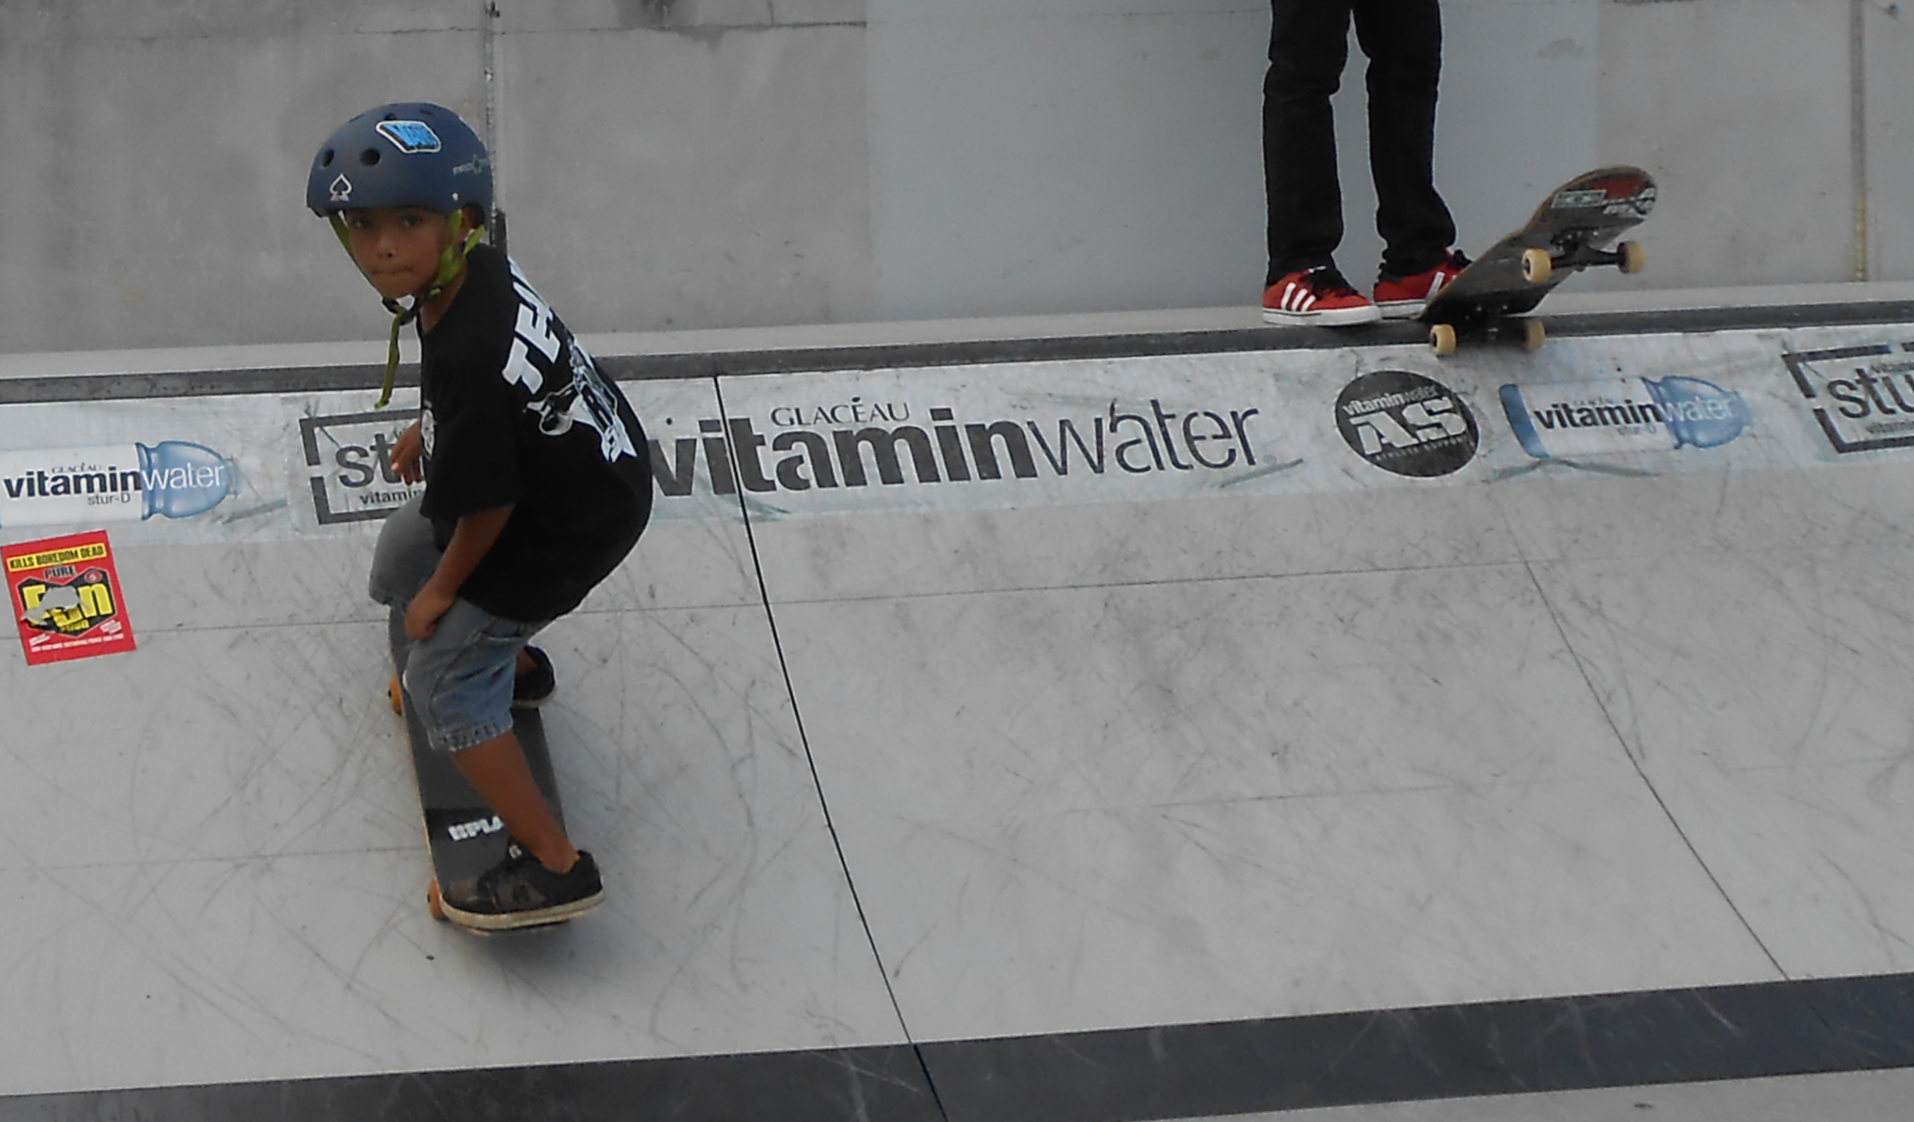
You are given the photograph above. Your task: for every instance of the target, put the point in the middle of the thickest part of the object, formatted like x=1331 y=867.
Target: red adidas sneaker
x=1402 y=297
x=1318 y=297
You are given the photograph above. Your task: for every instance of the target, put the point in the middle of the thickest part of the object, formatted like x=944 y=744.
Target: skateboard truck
x=1444 y=339
x=1539 y=266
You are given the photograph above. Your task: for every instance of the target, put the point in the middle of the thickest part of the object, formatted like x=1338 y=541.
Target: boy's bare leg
x=497 y=770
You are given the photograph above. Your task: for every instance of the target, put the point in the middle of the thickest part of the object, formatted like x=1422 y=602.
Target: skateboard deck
x=1569 y=232
x=464 y=836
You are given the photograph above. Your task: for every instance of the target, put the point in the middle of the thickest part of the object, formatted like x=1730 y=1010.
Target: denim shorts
x=459 y=679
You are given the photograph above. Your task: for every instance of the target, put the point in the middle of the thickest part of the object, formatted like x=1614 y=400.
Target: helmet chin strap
x=451 y=258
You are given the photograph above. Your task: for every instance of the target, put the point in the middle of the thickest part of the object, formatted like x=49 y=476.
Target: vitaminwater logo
x=1407 y=424
x=1862 y=397
x=112 y=483
x=881 y=443
x=1618 y=415
x=348 y=461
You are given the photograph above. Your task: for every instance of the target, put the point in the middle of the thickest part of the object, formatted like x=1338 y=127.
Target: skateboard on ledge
x=1571 y=231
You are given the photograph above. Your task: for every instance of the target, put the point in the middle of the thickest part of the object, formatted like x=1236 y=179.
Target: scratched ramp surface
x=1361 y=740
x=1604 y=723
x=1118 y=763
x=212 y=846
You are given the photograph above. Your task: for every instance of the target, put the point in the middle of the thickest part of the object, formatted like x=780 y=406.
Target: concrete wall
x=710 y=163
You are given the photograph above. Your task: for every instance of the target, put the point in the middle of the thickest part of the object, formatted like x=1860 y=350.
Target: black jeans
x=1308 y=48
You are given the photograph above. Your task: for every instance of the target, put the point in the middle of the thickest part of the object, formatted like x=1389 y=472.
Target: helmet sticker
x=409 y=136
x=474 y=166
x=341 y=190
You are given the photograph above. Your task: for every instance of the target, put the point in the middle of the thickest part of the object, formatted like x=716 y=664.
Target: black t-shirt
x=517 y=414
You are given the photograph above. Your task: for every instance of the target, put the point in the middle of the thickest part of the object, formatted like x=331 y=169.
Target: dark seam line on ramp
x=688 y=366
x=1641 y=773
x=810 y=759
x=1527 y=1046
x=1158 y=582
x=1608 y=718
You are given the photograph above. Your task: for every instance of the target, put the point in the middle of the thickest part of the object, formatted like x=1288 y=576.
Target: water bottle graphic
x=1628 y=414
x=113 y=483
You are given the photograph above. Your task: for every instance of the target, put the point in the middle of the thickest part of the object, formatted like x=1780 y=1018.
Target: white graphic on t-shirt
x=534 y=330
x=584 y=399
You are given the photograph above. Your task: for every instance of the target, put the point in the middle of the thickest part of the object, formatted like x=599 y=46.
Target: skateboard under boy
x=464 y=836
x=1569 y=232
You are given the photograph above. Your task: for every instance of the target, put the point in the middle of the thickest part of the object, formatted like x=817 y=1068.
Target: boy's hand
x=405 y=454
x=471 y=539
x=427 y=608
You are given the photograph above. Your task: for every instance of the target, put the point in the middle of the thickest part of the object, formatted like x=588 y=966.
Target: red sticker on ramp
x=65 y=594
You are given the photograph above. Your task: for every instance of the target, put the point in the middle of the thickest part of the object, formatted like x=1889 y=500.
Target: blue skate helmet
x=410 y=153
x=406 y=154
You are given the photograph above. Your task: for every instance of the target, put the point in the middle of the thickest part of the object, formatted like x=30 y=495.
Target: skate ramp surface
x=1174 y=723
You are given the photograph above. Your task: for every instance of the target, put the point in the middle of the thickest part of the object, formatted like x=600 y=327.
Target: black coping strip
x=106 y=386
x=1748 y=1031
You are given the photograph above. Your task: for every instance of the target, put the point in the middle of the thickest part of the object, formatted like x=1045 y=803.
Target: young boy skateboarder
x=537 y=480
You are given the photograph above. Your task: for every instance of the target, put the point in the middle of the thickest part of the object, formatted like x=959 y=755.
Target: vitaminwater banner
x=1610 y=416
x=338 y=455
x=112 y=483
x=1860 y=394
x=345 y=463
x=1230 y=426
x=173 y=470
x=65 y=596
x=1016 y=435
x=996 y=436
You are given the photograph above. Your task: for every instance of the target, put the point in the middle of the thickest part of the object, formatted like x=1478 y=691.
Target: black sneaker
x=530 y=689
x=520 y=892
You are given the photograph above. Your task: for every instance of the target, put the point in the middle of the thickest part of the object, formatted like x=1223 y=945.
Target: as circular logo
x=1406 y=423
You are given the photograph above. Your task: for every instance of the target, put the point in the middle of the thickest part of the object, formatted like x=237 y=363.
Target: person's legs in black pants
x=1403 y=39
x=1308 y=48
